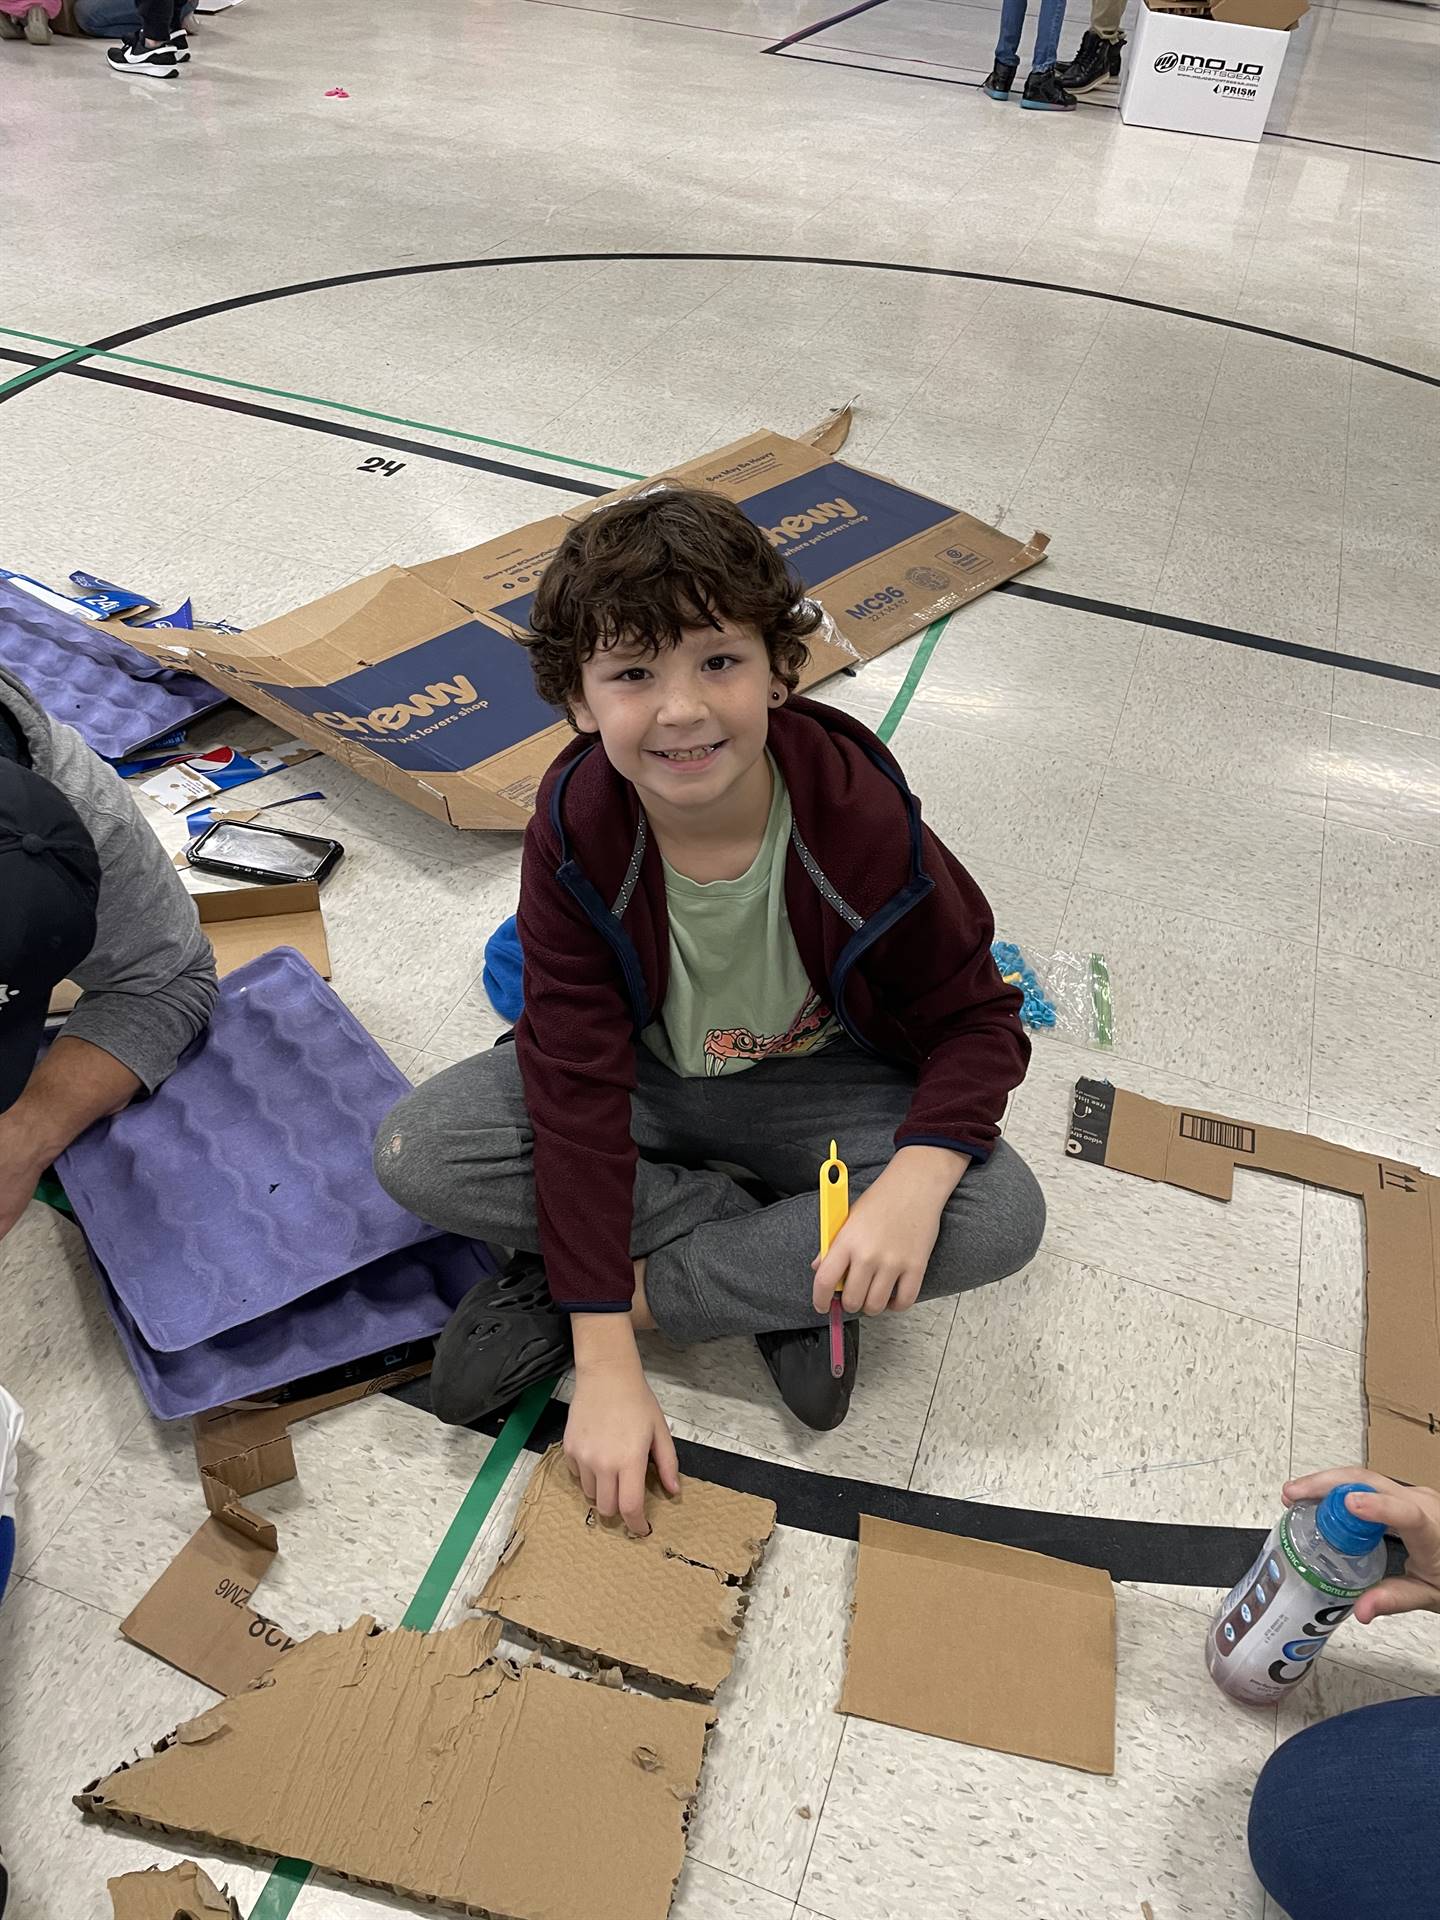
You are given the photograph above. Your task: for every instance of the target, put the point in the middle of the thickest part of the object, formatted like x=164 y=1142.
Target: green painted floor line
x=895 y=712
x=30 y=374
x=288 y=1877
x=78 y=352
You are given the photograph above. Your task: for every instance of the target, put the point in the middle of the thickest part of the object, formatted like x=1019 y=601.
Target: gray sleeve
x=149 y=980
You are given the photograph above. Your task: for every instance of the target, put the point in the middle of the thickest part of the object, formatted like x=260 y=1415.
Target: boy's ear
x=583 y=719
x=779 y=692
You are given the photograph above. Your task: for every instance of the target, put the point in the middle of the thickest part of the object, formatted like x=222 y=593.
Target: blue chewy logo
x=440 y=707
x=836 y=517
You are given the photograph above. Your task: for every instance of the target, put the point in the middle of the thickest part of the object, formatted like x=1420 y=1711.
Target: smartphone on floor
x=263 y=853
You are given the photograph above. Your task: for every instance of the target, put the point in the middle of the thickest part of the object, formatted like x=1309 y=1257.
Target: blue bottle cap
x=1346 y=1531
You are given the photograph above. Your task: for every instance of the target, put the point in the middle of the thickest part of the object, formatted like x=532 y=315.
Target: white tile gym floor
x=1223 y=404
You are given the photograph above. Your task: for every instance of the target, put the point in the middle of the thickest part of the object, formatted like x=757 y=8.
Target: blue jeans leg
x=1047 y=34
x=1012 y=25
x=1345 y=1820
x=107 y=19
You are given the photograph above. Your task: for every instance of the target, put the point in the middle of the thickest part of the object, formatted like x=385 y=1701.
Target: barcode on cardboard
x=1217 y=1133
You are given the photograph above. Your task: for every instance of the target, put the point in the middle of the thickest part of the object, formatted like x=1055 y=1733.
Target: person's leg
x=107 y=19
x=1105 y=18
x=1012 y=25
x=750 y=1272
x=1345 y=1818
x=459 y=1153
x=1047 y=35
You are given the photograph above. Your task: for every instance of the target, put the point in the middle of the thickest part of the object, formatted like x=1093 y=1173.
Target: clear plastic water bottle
x=1314 y=1567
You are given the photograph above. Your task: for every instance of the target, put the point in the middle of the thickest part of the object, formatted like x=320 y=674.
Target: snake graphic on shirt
x=725 y=1044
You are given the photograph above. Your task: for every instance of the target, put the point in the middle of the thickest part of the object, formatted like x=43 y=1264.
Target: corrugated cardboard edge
x=599 y=1660
x=91 y=1803
x=830 y=434
x=185 y=1892
x=1191 y=1148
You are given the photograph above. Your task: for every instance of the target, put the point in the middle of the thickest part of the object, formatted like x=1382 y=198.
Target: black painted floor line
x=455 y=456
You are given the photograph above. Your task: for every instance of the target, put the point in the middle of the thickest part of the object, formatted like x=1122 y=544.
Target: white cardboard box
x=1195 y=75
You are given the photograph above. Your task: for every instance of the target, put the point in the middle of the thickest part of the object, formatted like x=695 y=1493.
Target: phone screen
x=294 y=856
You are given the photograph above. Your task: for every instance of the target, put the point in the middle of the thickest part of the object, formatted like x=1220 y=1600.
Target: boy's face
x=687 y=724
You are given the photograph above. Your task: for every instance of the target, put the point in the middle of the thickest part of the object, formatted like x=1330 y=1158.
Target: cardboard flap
x=944 y=1636
x=1274 y=14
x=185 y=1892
x=198 y=1616
x=421 y=1763
x=831 y=433
x=668 y=1606
x=241 y=923
x=1200 y=1151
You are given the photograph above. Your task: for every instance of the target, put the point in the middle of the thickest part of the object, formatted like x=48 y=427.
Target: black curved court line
x=834 y=19
x=454 y=456
x=145 y=330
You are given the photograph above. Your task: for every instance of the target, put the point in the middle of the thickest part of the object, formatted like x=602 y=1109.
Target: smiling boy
x=739 y=941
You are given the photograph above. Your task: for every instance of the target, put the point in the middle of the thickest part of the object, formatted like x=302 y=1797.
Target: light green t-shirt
x=738 y=993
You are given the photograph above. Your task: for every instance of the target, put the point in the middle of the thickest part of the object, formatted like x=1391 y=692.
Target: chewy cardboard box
x=1209 y=70
x=413 y=676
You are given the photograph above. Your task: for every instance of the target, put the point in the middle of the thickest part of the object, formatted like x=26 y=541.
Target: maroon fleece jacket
x=892 y=931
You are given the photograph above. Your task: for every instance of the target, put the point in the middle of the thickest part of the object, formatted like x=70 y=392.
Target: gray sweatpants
x=457 y=1152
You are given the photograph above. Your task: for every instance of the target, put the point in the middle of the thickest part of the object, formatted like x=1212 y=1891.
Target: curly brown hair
x=646 y=568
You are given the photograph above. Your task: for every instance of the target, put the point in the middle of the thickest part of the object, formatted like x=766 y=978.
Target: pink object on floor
x=336 y=93
x=17 y=9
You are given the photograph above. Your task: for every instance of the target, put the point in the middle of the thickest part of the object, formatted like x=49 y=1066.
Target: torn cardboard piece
x=1199 y=1151
x=197 y=1616
x=185 y=1892
x=423 y=1764
x=668 y=1607
x=944 y=1640
x=411 y=677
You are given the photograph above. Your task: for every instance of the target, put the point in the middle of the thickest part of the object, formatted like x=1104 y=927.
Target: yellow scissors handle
x=834 y=1198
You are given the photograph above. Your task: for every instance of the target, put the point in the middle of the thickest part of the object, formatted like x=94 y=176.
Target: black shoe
x=179 y=43
x=1045 y=93
x=1000 y=81
x=799 y=1365
x=145 y=63
x=504 y=1336
x=1096 y=62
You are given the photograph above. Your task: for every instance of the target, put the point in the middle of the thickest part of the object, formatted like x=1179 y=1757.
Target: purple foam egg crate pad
x=114 y=696
x=404 y=1296
x=245 y=1181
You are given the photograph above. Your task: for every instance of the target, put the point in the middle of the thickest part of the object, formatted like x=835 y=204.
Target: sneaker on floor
x=998 y=82
x=11 y=28
x=179 y=43
x=146 y=63
x=1045 y=93
x=799 y=1364
x=504 y=1336
x=37 y=27
x=1096 y=62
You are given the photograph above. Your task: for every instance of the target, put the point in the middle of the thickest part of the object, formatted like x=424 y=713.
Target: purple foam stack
x=116 y=698
x=234 y=1216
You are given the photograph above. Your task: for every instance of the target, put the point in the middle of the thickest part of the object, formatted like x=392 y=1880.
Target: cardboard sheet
x=944 y=1641
x=243 y=922
x=185 y=1892
x=1200 y=1152
x=412 y=677
x=197 y=1616
x=421 y=1764
x=669 y=1607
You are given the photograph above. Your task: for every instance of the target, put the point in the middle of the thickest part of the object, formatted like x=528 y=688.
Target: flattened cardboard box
x=668 y=1607
x=1200 y=1152
x=185 y=1892
x=412 y=676
x=943 y=1642
x=422 y=1764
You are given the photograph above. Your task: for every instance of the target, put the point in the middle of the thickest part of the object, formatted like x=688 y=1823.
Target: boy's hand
x=1412 y=1512
x=616 y=1427
x=879 y=1256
